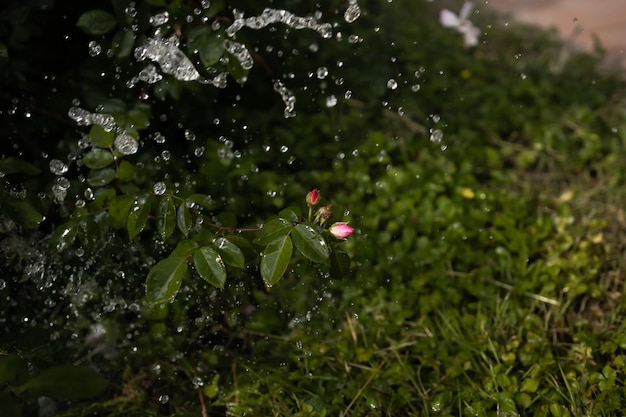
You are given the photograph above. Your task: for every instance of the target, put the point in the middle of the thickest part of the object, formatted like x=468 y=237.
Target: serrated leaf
x=98 y=158
x=96 y=22
x=210 y=266
x=310 y=243
x=22 y=212
x=92 y=230
x=100 y=137
x=12 y=165
x=272 y=230
x=138 y=216
x=231 y=254
x=100 y=177
x=275 y=259
x=183 y=219
x=67 y=382
x=118 y=210
x=166 y=218
x=164 y=279
x=184 y=248
x=63 y=236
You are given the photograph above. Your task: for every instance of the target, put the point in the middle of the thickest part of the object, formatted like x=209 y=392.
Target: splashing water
x=353 y=12
x=270 y=16
x=288 y=98
x=172 y=60
x=240 y=52
x=126 y=144
x=159 y=19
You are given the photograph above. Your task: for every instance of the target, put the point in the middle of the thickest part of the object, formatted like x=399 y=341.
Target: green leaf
x=272 y=230
x=67 y=382
x=100 y=137
x=235 y=69
x=210 y=266
x=139 y=117
x=529 y=385
x=98 y=158
x=12 y=165
x=310 y=243
x=275 y=259
x=118 y=210
x=231 y=254
x=100 y=177
x=96 y=22
x=123 y=43
x=289 y=214
x=63 y=236
x=22 y=212
x=10 y=367
x=164 y=279
x=184 y=248
x=166 y=218
x=183 y=219
x=339 y=262
x=138 y=216
x=126 y=171
x=208 y=44
x=93 y=230
x=202 y=199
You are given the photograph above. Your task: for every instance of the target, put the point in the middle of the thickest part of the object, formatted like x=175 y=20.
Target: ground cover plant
x=483 y=182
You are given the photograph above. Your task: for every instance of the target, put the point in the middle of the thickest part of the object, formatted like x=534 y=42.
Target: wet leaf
x=166 y=218
x=138 y=216
x=310 y=243
x=210 y=266
x=63 y=236
x=231 y=254
x=201 y=199
x=98 y=158
x=272 y=230
x=184 y=248
x=93 y=230
x=96 y=22
x=10 y=367
x=100 y=177
x=100 y=137
x=164 y=279
x=22 y=212
x=275 y=259
x=12 y=165
x=289 y=214
x=183 y=219
x=67 y=382
x=239 y=73
x=118 y=210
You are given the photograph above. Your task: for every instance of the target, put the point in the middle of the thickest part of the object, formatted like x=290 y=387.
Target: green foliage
x=483 y=277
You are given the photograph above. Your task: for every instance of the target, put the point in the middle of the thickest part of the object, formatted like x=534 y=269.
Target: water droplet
x=331 y=101
x=94 y=48
x=189 y=135
x=347 y=95
x=159 y=188
x=240 y=52
x=322 y=72
x=205 y=4
x=159 y=19
x=352 y=12
x=149 y=74
x=126 y=144
x=436 y=135
x=159 y=138
x=57 y=167
x=392 y=84
x=415 y=88
x=163 y=399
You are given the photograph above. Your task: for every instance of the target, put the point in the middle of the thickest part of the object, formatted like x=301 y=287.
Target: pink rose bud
x=340 y=230
x=312 y=197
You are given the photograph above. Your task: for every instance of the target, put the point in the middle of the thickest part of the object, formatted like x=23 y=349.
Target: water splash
x=124 y=143
x=270 y=16
x=288 y=98
x=353 y=12
x=240 y=52
x=159 y=19
x=172 y=60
